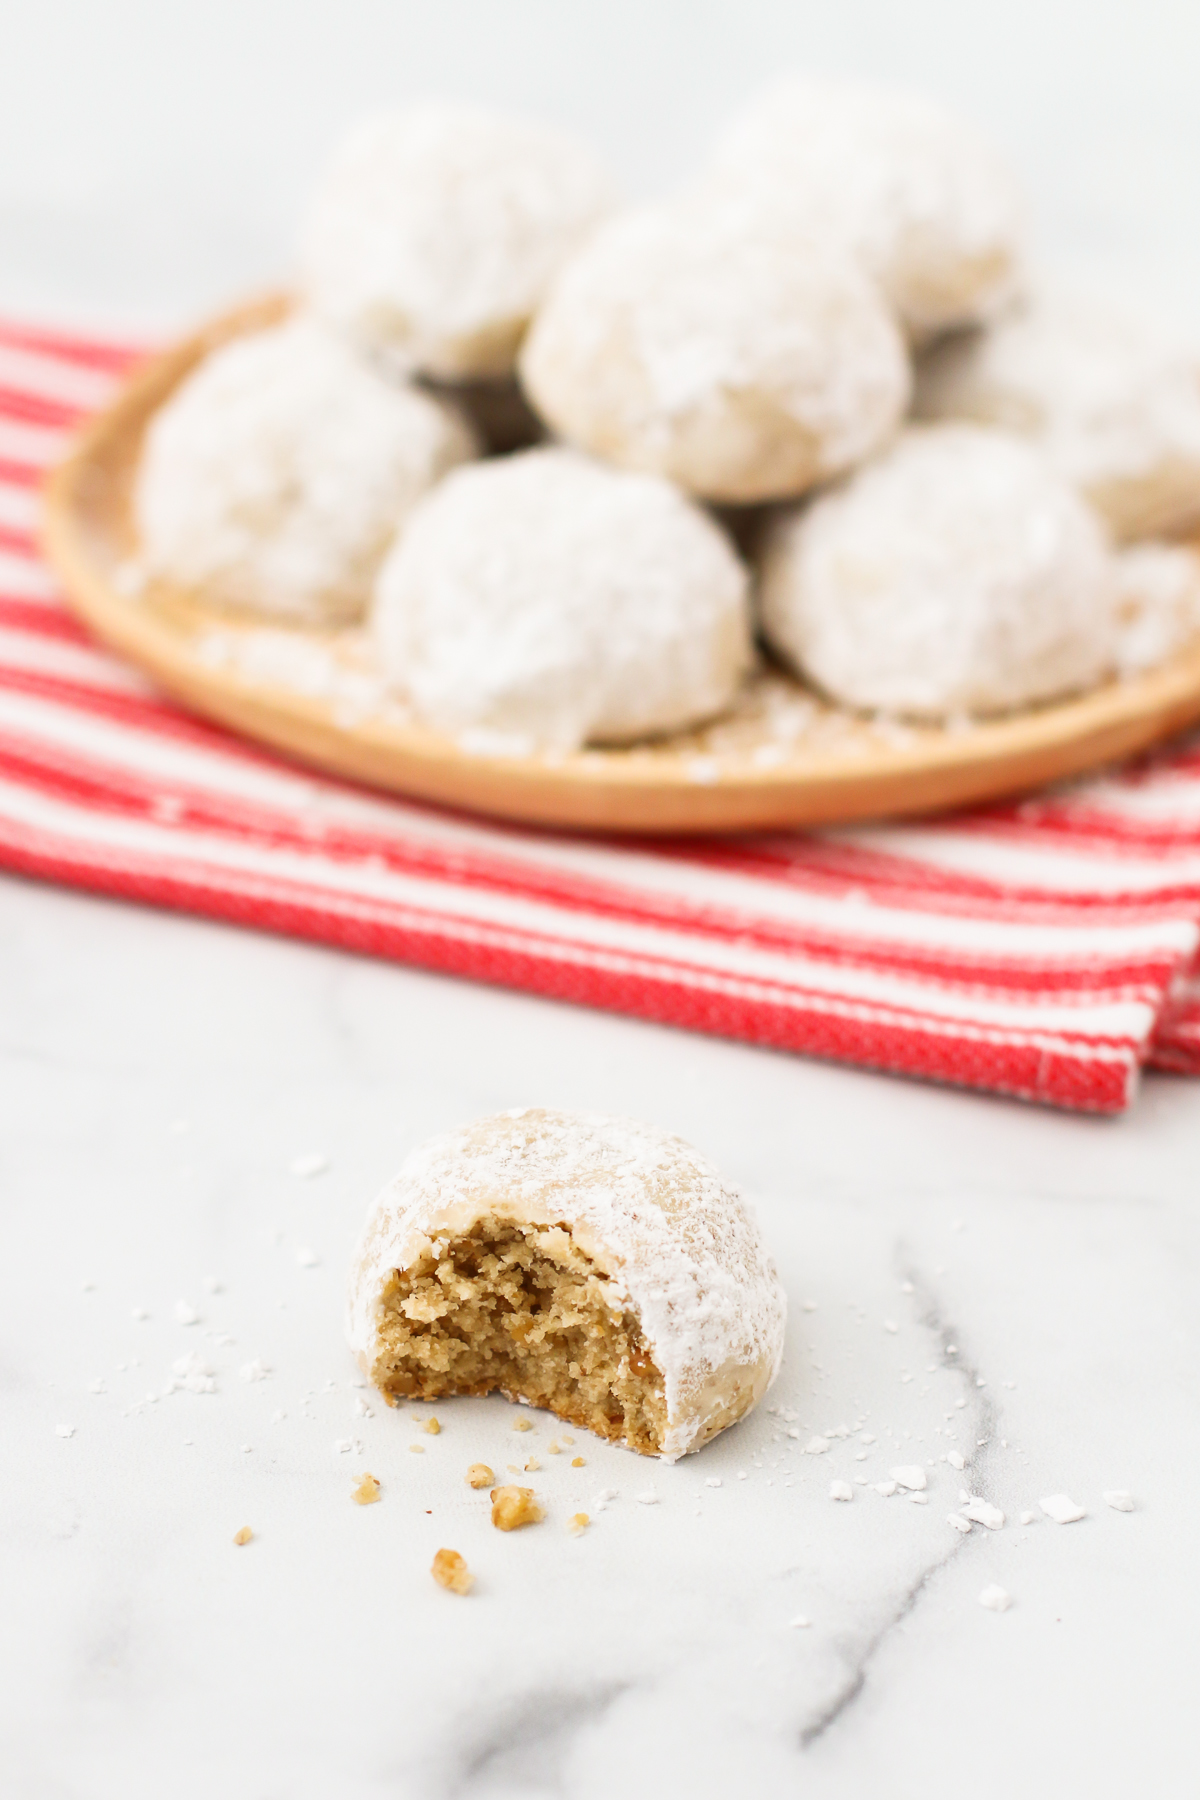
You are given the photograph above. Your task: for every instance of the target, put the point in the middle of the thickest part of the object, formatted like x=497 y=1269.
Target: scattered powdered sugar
x=910 y=1475
x=676 y=327
x=680 y=1247
x=436 y=230
x=840 y=1490
x=547 y=600
x=995 y=1598
x=957 y=573
x=982 y=1512
x=64 y=1431
x=194 y=1374
x=958 y=1522
x=1120 y=1499
x=306 y=1258
x=816 y=1446
x=1062 y=1509
x=186 y=1314
x=254 y=1371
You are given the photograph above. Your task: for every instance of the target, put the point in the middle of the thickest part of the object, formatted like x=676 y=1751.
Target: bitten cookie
x=958 y=573
x=277 y=474
x=739 y=365
x=545 y=600
x=594 y=1266
x=436 y=230
x=914 y=193
x=1112 y=400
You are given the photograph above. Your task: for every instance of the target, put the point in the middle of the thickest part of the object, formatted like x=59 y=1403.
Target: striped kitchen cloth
x=1046 y=950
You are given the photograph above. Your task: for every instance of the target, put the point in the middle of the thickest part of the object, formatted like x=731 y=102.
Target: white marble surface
x=158 y=1076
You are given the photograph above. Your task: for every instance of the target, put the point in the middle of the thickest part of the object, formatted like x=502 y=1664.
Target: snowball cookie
x=597 y=1267
x=956 y=574
x=275 y=476
x=738 y=365
x=435 y=232
x=1113 y=401
x=928 y=207
x=543 y=600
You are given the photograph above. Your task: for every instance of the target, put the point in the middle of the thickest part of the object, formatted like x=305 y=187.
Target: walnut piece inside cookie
x=449 y=1570
x=513 y=1507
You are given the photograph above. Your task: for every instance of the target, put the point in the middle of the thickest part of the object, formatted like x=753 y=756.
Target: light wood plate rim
x=86 y=531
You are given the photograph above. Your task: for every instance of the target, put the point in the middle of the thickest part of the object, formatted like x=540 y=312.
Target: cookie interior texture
x=520 y=1308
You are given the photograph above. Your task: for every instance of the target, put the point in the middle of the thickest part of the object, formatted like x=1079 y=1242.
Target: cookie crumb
x=450 y=1571
x=243 y=1536
x=522 y=1425
x=480 y=1476
x=417 y=1449
x=567 y=1438
x=577 y=1462
x=513 y=1507
x=366 y=1491
x=432 y=1427
x=553 y=1447
x=532 y=1466
x=577 y=1524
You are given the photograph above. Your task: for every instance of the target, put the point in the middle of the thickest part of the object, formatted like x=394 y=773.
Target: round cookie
x=1112 y=400
x=274 y=478
x=926 y=205
x=545 y=600
x=597 y=1267
x=738 y=365
x=435 y=232
x=958 y=573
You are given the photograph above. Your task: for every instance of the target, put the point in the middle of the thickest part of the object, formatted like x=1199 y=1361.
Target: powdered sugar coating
x=679 y=1246
x=913 y=192
x=1112 y=399
x=957 y=573
x=436 y=229
x=547 y=601
x=740 y=365
x=1157 y=604
x=276 y=475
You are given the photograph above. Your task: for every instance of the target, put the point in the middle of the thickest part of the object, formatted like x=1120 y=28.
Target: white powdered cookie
x=958 y=573
x=275 y=477
x=928 y=208
x=741 y=366
x=436 y=230
x=545 y=600
x=1111 y=398
x=597 y=1267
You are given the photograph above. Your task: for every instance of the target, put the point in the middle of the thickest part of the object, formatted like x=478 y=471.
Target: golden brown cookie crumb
x=243 y=1536
x=554 y=1447
x=513 y=1507
x=578 y=1523
x=366 y=1491
x=522 y=1425
x=567 y=1438
x=417 y=1449
x=432 y=1427
x=532 y=1466
x=479 y=1476
x=450 y=1571
x=577 y=1462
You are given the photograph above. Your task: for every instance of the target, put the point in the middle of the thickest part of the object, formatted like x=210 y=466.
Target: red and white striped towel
x=1046 y=950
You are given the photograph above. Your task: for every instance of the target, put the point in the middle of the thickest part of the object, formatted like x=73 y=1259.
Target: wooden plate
x=783 y=757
